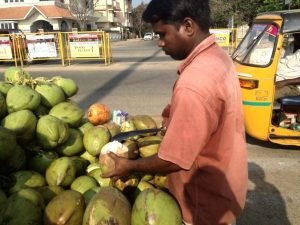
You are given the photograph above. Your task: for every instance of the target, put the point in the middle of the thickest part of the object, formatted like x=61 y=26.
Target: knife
x=124 y=135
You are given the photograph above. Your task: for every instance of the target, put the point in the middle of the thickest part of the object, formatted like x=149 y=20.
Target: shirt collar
x=207 y=42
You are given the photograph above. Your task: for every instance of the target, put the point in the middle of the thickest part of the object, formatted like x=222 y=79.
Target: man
x=203 y=150
x=288 y=70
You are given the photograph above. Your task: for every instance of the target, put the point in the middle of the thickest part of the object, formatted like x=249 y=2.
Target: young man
x=203 y=150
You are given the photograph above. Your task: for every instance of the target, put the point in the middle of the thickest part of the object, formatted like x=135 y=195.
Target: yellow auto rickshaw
x=256 y=59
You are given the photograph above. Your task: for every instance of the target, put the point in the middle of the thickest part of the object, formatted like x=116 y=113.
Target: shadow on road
x=264 y=205
x=105 y=89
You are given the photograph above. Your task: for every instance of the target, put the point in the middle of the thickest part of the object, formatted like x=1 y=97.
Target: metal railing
x=62 y=46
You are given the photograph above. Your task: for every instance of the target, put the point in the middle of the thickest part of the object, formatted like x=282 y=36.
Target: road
x=140 y=81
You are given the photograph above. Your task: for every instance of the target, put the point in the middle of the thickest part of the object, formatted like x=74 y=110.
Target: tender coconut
x=107 y=164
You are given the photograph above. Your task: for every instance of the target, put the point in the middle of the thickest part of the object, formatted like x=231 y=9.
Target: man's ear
x=189 y=26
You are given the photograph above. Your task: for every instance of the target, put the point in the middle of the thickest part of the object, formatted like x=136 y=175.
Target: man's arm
x=282 y=83
x=152 y=164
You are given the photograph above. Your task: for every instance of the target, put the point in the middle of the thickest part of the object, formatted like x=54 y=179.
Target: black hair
x=174 y=12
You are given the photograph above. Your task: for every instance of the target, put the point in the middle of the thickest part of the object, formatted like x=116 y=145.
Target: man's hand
x=122 y=167
x=282 y=83
x=152 y=164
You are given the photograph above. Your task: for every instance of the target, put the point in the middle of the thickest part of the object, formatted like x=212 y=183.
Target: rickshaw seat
x=289 y=101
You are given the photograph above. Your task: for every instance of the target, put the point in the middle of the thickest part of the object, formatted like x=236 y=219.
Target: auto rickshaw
x=256 y=59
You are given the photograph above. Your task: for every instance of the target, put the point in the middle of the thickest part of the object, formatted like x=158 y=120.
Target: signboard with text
x=222 y=36
x=5 y=48
x=84 y=45
x=41 y=46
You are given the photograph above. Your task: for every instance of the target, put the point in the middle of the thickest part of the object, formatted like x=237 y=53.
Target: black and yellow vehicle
x=257 y=58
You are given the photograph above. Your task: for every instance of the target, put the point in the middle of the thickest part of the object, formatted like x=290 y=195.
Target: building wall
x=27 y=3
x=111 y=14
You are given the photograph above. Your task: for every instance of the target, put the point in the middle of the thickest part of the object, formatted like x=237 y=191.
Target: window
x=7 y=1
x=8 y=26
x=258 y=45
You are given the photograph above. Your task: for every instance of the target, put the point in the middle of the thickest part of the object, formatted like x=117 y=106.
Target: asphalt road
x=140 y=81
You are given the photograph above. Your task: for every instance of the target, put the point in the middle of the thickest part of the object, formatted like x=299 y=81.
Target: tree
x=247 y=10
x=82 y=10
x=293 y=4
x=139 y=26
x=271 y=5
x=221 y=12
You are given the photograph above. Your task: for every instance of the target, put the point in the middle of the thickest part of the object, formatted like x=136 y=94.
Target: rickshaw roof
x=291 y=19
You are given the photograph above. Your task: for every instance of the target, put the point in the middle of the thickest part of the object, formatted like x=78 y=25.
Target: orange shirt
x=205 y=137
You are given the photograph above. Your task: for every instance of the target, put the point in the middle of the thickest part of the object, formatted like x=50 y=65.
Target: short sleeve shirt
x=206 y=138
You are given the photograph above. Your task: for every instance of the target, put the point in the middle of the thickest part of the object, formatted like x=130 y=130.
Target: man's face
x=172 y=40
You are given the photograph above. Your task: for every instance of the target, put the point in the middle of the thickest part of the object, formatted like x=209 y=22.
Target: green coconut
x=61 y=172
x=68 y=112
x=92 y=167
x=155 y=207
x=22 y=122
x=51 y=132
x=68 y=85
x=73 y=145
x=41 y=161
x=87 y=156
x=2 y=198
x=113 y=128
x=22 y=97
x=142 y=122
x=23 y=207
x=26 y=179
x=133 y=191
x=89 y=194
x=149 y=145
x=84 y=125
x=95 y=138
x=83 y=183
x=108 y=204
x=41 y=111
x=128 y=125
x=80 y=164
x=66 y=208
x=4 y=87
x=15 y=162
x=49 y=192
x=51 y=94
x=3 y=108
x=15 y=74
x=6 y=182
x=103 y=182
x=8 y=143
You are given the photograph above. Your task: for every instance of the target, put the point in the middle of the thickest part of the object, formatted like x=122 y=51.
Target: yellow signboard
x=84 y=46
x=87 y=49
x=5 y=48
x=222 y=36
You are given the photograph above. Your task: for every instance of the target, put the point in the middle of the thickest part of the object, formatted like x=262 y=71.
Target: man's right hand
x=122 y=167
